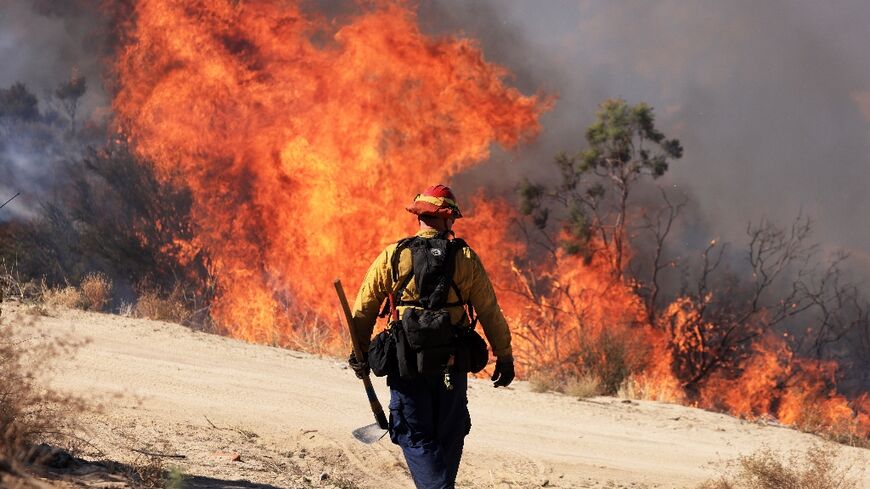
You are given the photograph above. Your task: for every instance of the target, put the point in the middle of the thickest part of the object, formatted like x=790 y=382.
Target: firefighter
x=429 y=416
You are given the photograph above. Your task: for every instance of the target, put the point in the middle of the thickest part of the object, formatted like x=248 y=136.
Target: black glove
x=504 y=372
x=361 y=369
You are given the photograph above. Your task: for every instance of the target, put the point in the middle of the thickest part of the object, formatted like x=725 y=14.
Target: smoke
x=771 y=100
x=43 y=44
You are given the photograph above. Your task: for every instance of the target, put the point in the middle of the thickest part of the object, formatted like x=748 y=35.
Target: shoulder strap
x=397 y=292
x=397 y=255
x=458 y=246
x=452 y=249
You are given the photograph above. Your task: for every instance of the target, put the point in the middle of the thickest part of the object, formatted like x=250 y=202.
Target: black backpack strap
x=394 y=273
x=458 y=245
x=455 y=246
x=397 y=256
x=399 y=289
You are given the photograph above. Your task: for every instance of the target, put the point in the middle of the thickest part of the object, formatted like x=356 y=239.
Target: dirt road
x=289 y=415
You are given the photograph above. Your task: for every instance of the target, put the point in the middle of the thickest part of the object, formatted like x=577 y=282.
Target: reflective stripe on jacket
x=470 y=278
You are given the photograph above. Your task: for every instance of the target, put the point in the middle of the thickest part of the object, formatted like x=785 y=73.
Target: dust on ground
x=237 y=415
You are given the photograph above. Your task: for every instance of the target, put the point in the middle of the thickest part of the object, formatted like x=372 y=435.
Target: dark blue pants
x=430 y=422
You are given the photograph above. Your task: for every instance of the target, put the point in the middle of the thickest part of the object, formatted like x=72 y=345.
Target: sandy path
x=289 y=415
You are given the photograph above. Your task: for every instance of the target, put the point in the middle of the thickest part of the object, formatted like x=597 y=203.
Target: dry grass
x=14 y=286
x=173 y=308
x=68 y=297
x=820 y=467
x=147 y=472
x=846 y=430
x=637 y=388
x=583 y=386
x=29 y=413
x=96 y=290
x=544 y=381
x=580 y=386
x=313 y=337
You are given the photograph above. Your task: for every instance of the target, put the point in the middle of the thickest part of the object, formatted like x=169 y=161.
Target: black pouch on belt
x=430 y=335
x=383 y=358
x=406 y=357
x=472 y=353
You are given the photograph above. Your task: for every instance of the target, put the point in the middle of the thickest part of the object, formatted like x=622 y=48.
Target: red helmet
x=438 y=201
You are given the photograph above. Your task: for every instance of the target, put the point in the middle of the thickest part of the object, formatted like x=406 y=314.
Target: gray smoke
x=44 y=43
x=770 y=99
x=41 y=42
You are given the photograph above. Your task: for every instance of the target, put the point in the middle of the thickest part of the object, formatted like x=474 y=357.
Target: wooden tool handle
x=377 y=410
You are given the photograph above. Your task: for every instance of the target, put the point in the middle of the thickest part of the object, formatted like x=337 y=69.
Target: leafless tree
x=787 y=281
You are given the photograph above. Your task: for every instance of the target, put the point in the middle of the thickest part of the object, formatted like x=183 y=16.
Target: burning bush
x=590 y=303
x=280 y=137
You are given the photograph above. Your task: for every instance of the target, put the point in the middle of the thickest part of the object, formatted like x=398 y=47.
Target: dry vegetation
x=821 y=467
x=14 y=286
x=149 y=472
x=38 y=425
x=172 y=308
x=96 y=290
x=638 y=389
x=579 y=386
x=29 y=414
x=68 y=297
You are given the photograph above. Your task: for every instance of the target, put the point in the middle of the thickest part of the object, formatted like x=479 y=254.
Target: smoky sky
x=43 y=41
x=770 y=99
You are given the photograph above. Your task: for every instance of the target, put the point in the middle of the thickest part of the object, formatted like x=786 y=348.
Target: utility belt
x=426 y=343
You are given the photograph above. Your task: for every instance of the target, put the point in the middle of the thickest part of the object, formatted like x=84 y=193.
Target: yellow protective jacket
x=470 y=278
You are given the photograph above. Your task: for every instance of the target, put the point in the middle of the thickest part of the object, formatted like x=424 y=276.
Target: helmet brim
x=422 y=208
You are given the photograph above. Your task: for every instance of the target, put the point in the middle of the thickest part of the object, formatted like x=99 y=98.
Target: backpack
x=424 y=339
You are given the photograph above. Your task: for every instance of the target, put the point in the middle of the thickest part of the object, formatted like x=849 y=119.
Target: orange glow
x=796 y=391
x=300 y=150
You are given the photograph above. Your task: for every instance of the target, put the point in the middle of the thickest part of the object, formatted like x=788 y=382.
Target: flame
x=797 y=391
x=301 y=140
x=301 y=151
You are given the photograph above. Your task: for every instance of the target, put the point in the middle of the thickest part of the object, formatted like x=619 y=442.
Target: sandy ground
x=165 y=388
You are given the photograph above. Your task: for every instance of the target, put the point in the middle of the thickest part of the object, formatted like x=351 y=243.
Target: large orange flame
x=301 y=150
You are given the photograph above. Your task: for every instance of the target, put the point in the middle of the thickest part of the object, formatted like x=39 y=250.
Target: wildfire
x=301 y=150
x=301 y=141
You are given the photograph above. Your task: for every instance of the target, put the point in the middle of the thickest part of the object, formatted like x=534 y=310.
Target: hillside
x=288 y=415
